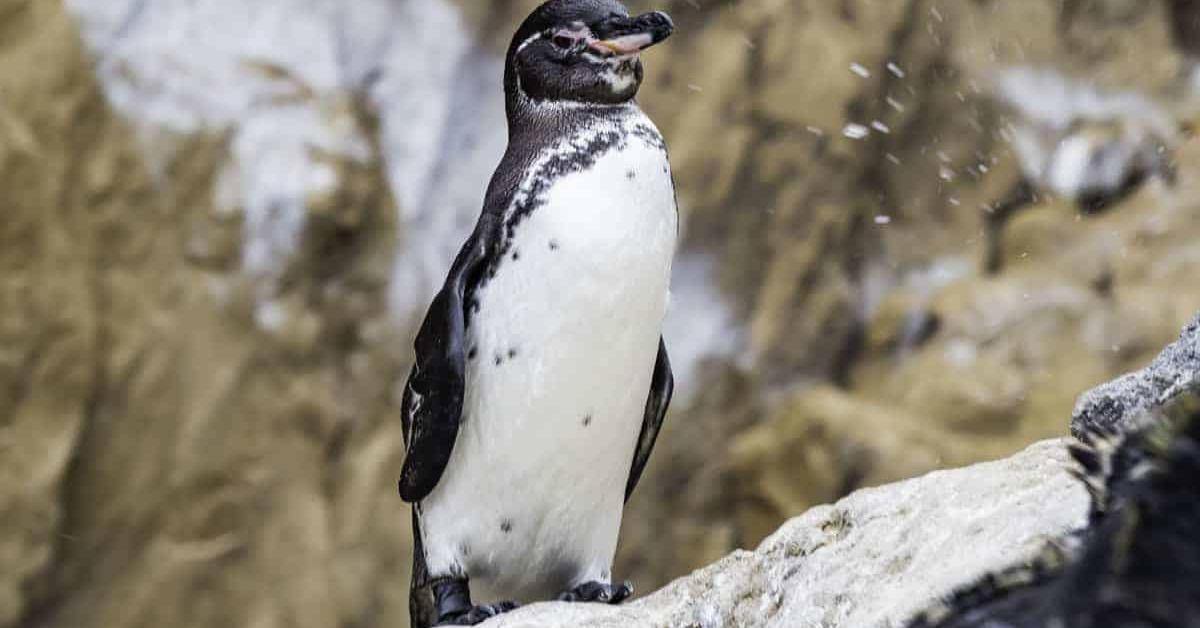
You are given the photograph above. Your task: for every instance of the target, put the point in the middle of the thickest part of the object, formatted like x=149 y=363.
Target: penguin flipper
x=662 y=385
x=433 y=396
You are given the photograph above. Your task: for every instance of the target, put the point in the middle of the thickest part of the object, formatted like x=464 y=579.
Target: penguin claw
x=598 y=592
x=476 y=614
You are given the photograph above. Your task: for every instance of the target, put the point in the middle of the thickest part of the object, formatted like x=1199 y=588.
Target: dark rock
x=1122 y=404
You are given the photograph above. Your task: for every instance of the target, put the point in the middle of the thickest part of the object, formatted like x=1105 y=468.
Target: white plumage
x=562 y=350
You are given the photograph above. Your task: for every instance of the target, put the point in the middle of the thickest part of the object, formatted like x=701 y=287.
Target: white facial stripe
x=577 y=30
x=529 y=40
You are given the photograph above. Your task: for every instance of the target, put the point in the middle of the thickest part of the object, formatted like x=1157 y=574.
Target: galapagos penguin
x=541 y=378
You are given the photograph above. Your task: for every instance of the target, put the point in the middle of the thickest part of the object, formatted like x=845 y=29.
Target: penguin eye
x=563 y=41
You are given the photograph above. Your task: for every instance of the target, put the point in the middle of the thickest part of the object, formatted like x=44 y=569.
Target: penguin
x=541 y=379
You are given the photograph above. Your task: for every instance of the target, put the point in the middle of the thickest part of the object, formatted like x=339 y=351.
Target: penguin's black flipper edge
x=433 y=396
x=662 y=385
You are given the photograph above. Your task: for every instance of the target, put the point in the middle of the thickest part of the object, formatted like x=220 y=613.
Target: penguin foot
x=598 y=592
x=475 y=614
x=454 y=608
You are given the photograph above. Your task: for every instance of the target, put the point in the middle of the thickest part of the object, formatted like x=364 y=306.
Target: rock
x=51 y=319
x=1122 y=404
x=1138 y=561
x=1006 y=360
x=183 y=443
x=870 y=560
x=820 y=445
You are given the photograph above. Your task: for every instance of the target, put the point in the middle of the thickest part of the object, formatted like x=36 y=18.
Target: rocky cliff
x=221 y=220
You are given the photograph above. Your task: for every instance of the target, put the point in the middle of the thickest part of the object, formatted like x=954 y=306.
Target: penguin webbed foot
x=598 y=592
x=454 y=607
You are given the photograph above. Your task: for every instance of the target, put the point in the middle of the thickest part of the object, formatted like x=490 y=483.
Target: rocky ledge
x=872 y=559
x=1122 y=403
x=882 y=555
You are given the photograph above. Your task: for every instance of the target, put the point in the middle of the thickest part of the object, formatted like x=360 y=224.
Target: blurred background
x=222 y=221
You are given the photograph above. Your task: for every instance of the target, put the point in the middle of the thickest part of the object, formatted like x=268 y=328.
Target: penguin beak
x=622 y=36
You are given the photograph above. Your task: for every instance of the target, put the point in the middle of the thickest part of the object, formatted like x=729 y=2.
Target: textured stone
x=171 y=452
x=870 y=560
x=1122 y=404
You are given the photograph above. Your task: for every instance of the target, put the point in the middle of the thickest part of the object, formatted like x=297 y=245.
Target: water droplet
x=855 y=131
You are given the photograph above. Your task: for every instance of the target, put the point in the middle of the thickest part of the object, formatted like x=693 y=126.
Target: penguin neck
x=533 y=119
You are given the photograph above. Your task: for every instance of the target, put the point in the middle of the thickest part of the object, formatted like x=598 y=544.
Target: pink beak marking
x=623 y=45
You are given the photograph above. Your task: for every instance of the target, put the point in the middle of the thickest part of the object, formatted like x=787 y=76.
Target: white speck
x=895 y=104
x=960 y=353
x=895 y=70
x=892 y=158
x=860 y=70
x=954 y=201
x=815 y=131
x=694 y=87
x=855 y=131
x=936 y=14
x=883 y=220
x=941 y=154
x=946 y=174
x=324 y=179
x=881 y=127
x=270 y=315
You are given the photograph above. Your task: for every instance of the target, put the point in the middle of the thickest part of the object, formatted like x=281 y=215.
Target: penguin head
x=582 y=51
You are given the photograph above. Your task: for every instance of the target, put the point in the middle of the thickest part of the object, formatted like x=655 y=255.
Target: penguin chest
x=560 y=355
x=567 y=330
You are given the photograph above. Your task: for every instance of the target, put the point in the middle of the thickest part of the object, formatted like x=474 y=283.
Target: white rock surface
x=869 y=561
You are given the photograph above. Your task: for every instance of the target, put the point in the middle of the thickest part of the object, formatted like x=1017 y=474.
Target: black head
x=583 y=51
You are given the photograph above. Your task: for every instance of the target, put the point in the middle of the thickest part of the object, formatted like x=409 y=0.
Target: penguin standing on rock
x=541 y=379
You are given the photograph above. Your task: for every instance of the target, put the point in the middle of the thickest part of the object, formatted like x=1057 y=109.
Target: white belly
x=564 y=345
